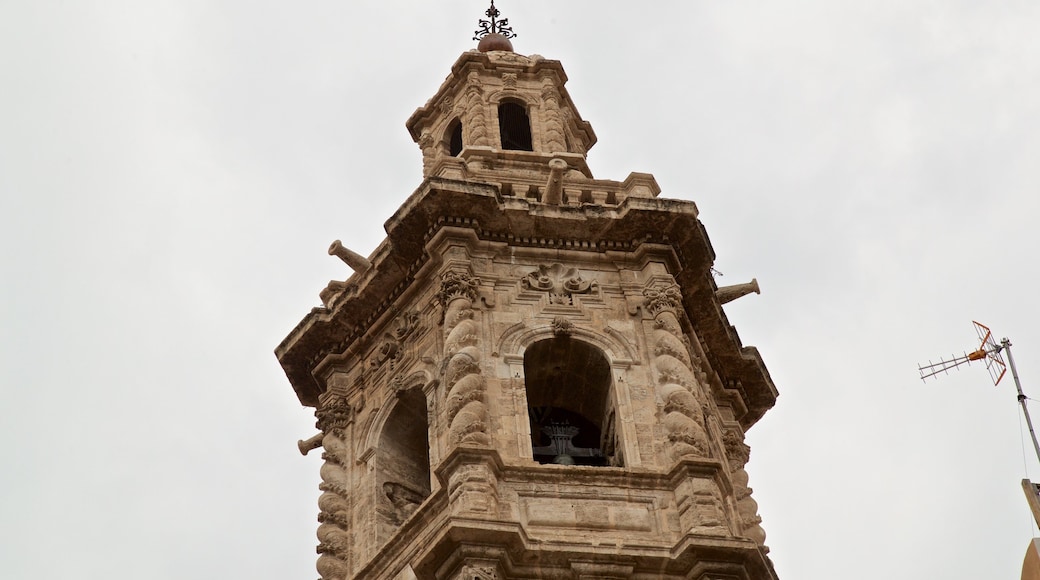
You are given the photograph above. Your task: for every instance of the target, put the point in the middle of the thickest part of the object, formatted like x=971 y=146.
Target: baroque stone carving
x=560 y=282
x=334 y=503
x=403 y=499
x=662 y=299
x=467 y=410
x=391 y=348
x=428 y=146
x=737 y=454
x=476 y=119
x=334 y=415
x=555 y=139
x=679 y=388
x=562 y=327
x=457 y=285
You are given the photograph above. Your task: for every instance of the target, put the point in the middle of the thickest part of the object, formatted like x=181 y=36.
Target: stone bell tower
x=532 y=376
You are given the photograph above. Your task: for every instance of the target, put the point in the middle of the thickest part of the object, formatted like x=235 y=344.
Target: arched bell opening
x=453 y=138
x=514 y=126
x=569 y=403
x=403 y=460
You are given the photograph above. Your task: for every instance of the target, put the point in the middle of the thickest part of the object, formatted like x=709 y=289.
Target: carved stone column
x=737 y=455
x=466 y=408
x=334 y=533
x=476 y=123
x=683 y=420
x=555 y=139
x=428 y=145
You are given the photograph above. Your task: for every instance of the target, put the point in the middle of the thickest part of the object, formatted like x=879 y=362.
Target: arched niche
x=401 y=460
x=570 y=405
x=514 y=125
x=453 y=138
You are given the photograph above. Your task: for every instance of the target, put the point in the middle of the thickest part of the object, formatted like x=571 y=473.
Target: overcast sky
x=171 y=174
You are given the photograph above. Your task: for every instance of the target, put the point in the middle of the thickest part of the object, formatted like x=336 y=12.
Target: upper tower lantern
x=533 y=375
x=500 y=109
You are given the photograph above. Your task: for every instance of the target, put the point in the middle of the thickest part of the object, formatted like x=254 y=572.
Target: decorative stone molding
x=560 y=282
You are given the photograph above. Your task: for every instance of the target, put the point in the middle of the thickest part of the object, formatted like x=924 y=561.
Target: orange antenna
x=990 y=352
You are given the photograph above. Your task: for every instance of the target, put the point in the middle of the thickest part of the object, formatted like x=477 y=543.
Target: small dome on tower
x=494 y=41
x=494 y=33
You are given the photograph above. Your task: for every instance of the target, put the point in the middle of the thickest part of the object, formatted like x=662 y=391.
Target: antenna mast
x=989 y=351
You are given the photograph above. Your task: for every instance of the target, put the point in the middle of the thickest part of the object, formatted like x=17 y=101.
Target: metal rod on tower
x=1005 y=345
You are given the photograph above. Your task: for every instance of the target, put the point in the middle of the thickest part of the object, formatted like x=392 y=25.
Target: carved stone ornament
x=509 y=80
x=736 y=450
x=335 y=414
x=665 y=298
x=562 y=327
x=457 y=285
x=561 y=283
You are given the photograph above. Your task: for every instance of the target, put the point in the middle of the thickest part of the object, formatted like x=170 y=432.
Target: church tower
x=533 y=375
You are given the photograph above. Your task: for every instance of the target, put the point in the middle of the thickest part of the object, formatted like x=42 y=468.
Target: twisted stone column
x=466 y=408
x=555 y=139
x=334 y=535
x=476 y=118
x=737 y=455
x=683 y=420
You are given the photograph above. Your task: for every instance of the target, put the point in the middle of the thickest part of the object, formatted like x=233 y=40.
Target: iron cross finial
x=494 y=25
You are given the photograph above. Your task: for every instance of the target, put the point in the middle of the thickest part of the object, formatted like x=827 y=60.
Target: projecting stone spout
x=356 y=261
x=554 y=188
x=731 y=293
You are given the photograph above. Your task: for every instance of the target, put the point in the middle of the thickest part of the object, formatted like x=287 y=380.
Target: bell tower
x=533 y=375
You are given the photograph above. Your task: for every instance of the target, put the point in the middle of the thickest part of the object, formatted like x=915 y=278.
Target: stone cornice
x=441 y=202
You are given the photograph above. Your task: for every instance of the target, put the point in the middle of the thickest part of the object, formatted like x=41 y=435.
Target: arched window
x=455 y=138
x=514 y=126
x=403 y=463
x=569 y=404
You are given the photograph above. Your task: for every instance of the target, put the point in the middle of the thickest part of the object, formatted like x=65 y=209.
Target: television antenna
x=990 y=352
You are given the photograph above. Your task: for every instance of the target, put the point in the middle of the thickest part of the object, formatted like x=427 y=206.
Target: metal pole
x=1006 y=345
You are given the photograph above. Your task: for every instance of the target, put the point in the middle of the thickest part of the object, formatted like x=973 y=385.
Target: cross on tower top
x=494 y=25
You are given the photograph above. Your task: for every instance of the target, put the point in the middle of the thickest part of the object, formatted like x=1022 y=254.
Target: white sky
x=171 y=174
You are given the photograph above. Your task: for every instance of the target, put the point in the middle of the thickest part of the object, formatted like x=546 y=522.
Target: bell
x=563 y=460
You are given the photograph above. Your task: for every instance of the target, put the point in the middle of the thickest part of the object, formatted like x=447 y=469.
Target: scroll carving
x=683 y=420
x=391 y=348
x=560 y=282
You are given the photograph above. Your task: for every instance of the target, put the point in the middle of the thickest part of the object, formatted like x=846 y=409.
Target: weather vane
x=493 y=26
